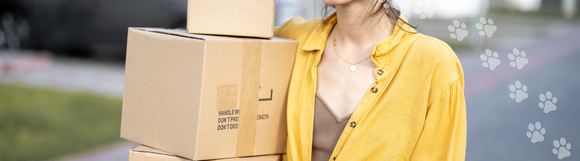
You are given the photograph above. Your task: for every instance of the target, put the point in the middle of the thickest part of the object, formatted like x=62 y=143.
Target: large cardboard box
x=253 y=18
x=144 y=153
x=206 y=97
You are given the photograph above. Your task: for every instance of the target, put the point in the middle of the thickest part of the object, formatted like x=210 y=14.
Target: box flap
x=183 y=33
x=144 y=153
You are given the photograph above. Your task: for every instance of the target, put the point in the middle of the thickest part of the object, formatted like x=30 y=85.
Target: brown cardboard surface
x=144 y=153
x=252 y=18
x=226 y=96
x=206 y=97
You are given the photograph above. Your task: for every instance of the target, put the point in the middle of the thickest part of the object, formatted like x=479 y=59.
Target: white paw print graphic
x=561 y=148
x=490 y=60
x=548 y=102
x=518 y=59
x=424 y=9
x=458 y=31
x=486 y=27
x=518 y=92
x=536 y=132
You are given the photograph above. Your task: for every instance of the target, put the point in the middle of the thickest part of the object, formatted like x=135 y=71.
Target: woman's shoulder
x=437 y=55
x=433 y=48
x=297 y=28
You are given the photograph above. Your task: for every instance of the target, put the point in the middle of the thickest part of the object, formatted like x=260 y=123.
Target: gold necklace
x=352 y=65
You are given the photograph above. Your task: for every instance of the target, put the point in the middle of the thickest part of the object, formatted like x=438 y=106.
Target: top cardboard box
x=206 y=97
x=250 y=18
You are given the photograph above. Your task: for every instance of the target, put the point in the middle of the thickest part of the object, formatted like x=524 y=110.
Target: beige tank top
x=327 y=130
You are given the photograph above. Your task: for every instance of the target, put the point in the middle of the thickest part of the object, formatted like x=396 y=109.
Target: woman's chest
x=341 y=87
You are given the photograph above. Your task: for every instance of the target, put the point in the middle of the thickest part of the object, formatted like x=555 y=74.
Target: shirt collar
x=317 y=39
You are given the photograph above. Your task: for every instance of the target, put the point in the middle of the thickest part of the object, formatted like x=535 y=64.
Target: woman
x=366 y=86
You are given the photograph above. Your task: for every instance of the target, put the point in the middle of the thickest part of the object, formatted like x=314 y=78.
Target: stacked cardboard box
x=253 y=18
x=207 y=97
x=144 y=153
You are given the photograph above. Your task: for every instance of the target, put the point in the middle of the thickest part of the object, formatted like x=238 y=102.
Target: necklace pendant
x=352 y=68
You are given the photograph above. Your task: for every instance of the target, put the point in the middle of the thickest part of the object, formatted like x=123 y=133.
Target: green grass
x=40 y=124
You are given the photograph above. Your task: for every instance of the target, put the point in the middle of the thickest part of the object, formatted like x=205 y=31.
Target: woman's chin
x=336 y=2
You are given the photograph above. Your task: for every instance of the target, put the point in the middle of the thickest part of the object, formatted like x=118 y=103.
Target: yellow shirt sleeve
x=444 y=133
x=286 y=30
x=297 y=29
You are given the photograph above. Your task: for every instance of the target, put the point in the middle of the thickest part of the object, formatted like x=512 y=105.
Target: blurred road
x=41 y=69
x=116 y=152
x=497 y=124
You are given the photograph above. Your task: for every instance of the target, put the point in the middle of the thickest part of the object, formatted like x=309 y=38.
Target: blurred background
x=62 y=72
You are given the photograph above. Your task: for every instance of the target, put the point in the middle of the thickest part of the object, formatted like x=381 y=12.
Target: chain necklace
x=352 y=65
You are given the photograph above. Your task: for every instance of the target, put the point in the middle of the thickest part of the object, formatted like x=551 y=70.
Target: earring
x=385 y=4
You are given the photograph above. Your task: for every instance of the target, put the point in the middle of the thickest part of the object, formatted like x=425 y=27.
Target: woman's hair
x=392 y=14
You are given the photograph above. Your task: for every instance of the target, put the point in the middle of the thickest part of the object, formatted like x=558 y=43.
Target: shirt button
x=353 y=124
x=380 y=72
x=334 y=158
x=374 y=89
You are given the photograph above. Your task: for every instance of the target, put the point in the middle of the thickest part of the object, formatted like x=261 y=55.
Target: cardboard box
x=252 y=18
x=144 y=153
x=206 y=97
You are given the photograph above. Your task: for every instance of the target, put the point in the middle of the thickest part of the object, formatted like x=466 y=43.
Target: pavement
x=114 y=152
x=42 y=69
x=498 y=124
x=529 y=126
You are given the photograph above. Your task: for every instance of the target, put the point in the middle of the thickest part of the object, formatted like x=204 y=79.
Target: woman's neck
x=353 y=29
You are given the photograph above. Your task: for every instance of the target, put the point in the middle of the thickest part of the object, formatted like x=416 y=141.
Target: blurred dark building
x=83 y=26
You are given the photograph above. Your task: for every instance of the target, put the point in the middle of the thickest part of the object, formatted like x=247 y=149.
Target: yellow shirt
x=417 y=111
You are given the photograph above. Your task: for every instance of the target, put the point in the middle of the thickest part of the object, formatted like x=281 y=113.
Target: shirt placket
x=364 y=105
x=314 y=76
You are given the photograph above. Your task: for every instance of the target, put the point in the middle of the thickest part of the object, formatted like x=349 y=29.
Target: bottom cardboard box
x=144 y=153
